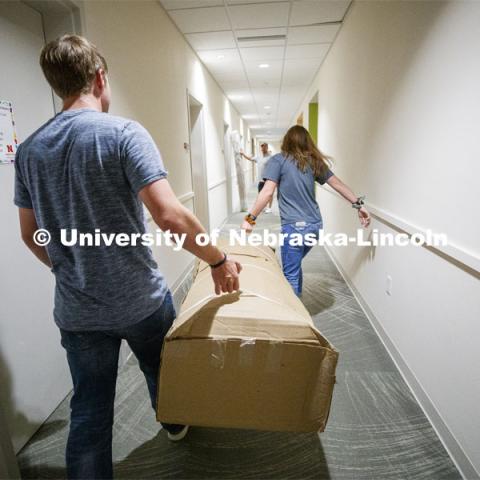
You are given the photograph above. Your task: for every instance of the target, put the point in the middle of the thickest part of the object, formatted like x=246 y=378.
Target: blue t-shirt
x=296 y=190
x=83 y=170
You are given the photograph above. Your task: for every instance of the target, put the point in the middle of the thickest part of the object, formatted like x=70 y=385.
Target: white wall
x=151 y=69
x=34 y=375
x=399 y=110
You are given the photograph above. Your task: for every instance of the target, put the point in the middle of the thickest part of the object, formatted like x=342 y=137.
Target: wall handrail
x=459 y=256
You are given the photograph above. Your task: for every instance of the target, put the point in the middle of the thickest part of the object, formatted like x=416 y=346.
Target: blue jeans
x=292 y=255
x=93 y=361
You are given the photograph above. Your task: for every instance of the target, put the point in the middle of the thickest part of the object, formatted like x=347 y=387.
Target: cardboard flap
x=264 y=308
x=236 y=316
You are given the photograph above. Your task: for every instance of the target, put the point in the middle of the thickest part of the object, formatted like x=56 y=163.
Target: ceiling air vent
x=261 y=38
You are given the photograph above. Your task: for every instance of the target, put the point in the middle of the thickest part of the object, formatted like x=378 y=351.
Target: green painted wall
x=313 y=121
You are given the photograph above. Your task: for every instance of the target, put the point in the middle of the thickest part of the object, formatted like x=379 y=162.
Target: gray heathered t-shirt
x=261 y=160
x=296 y=190
x=83 y=169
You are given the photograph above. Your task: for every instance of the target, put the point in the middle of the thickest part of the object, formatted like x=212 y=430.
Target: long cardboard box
x=246 y=360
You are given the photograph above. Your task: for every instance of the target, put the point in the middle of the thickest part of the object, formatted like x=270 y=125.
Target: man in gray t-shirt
x=262 y=162
x=83 y=169
x=91 y=171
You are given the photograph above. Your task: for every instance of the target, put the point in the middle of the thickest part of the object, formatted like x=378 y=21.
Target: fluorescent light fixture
x=263 y=65
x=261 y=38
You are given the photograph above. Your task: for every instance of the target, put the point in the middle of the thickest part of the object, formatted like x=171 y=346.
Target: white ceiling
x=233 y=38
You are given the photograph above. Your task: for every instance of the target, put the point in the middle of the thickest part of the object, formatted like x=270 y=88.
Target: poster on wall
x=8 y=137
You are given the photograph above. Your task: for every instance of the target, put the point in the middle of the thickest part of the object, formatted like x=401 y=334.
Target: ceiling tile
x=211 y=40
x=265 y=91
x=220 y=58
x=229 y=75
x=239 y=94
x=262 y=54
x=250 y=116
x=300 y=71
x=175 y=4
x=312 y=34
x=266 y=99
x=264 y=77
x=303 y=80
x=274 y=66
x=270 y=133
x=263 y=102
x=261 y=82
x=261 y=15
x=308 y=12
x=230 y=86
x=301 y=65
x=245 y=108
x=291 y=94
x=210 y=19
x=313 y=50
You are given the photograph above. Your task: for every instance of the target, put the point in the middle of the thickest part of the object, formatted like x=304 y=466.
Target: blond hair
x=70 y=63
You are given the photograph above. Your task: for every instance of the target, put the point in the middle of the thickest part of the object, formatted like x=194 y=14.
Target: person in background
x=261 y=161
x=86 y=169
x=294 y=172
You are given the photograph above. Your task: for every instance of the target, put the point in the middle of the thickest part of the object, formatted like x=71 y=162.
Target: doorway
x=313 y=118
x=197 y=161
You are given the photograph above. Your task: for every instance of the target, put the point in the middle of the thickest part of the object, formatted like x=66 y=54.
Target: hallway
x=376 y=429
x=206 y=93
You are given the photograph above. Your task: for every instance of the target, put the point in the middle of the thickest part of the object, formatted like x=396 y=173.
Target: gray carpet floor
x=376 y=428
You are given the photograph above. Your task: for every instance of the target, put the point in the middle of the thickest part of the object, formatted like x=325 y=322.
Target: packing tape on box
x=247 y=352
x=217 y=357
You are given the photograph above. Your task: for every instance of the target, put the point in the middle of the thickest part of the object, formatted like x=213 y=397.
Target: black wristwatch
x=359 y=203
x=221 y=262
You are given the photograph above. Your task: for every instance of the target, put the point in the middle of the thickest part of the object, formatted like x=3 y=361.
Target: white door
x=34 y=376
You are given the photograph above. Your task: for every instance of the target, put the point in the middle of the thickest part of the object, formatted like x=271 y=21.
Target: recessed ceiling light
x=264 y=65
x=267 y=107
x=220 y=56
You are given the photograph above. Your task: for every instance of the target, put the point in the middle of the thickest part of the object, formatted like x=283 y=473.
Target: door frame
x=227 y=156
x=197 y=196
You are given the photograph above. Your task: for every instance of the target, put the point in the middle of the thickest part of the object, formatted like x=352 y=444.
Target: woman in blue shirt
x=294 y=172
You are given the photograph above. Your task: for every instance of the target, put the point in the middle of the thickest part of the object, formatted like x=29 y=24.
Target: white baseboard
x=447 y=438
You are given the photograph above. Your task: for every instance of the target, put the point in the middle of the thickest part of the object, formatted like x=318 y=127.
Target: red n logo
x=9 y=148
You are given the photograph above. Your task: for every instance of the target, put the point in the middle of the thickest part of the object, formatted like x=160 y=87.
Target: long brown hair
x=299 y=145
